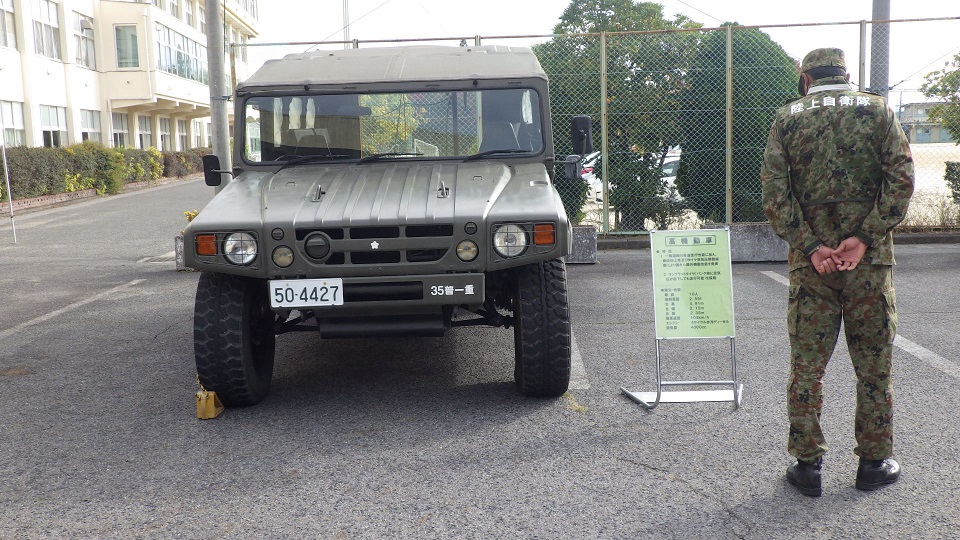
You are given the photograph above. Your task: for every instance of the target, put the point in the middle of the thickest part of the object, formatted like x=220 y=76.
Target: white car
x=591 y=162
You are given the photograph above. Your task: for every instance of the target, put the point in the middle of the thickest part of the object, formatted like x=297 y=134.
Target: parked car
x=592 y=165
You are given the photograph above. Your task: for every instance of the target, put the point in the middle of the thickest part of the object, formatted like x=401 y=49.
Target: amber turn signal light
x=206 y=244
x=544 y=234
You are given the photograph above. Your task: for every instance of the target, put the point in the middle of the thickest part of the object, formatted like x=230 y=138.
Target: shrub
x=156 y=164
x=180 y=164
x=137 y=166
x=37 y=171
x=952 y=176
x=98 y=166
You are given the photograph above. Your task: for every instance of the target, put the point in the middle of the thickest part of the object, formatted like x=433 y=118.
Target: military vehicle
x=380 y=192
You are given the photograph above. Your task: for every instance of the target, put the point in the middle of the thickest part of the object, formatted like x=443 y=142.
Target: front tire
x=233 y=338
x=541 y=329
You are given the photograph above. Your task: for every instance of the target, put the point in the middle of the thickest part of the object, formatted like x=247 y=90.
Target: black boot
x=875 y=473
x=805 y=476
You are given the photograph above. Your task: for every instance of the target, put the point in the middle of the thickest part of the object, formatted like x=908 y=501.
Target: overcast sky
x=916 y=48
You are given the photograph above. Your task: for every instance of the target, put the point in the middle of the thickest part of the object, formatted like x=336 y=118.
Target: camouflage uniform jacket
x=837 y=164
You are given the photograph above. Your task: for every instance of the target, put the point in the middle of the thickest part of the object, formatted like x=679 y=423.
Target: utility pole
x=346 y=24
x=880 y=49
x=219 y=90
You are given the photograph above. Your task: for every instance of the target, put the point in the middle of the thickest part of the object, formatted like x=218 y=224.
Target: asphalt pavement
x=427 y=437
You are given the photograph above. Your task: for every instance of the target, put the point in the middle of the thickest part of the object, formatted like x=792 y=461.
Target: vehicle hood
x=381 y=194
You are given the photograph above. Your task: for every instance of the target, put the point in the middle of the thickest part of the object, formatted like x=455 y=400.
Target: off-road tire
x=233 y=338
x=541 y=329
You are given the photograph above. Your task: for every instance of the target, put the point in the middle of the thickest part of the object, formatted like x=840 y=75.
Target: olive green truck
x=383 y=192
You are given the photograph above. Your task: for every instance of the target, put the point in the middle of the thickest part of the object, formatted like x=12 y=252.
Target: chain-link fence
x=681 y=117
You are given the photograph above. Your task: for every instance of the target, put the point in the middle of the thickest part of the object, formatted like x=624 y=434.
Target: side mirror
x=211 y=170
x=581 y=134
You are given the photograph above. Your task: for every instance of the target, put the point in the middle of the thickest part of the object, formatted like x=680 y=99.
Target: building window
x=121 y=130
x=11 y=115
x=203 y=19
x=146 y=132
x=53 y=123
x=8 y=28
x=197 y=134
x=46 y=29
x=83 y=35
x=128 y=53
x=174 y=8
x=90 y=126
x=188 y=9
x=180 y=55
x=182 y=142
x=158 y=3
x=209 y=135
x=165 y=135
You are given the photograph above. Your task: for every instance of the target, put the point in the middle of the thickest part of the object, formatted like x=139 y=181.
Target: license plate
x=298 y=293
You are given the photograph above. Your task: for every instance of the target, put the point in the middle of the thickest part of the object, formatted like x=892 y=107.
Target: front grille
x=352 y=245
x=367 y=233
x=421 y=231
x=375 y=257
x=425 y=255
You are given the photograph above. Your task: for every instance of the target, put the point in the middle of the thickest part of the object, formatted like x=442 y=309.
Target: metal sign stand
x=693 y=299
x=651 y=399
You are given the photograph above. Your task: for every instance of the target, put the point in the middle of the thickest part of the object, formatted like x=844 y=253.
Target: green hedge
x=180 y=164
x=952 y=176
x=47 y=171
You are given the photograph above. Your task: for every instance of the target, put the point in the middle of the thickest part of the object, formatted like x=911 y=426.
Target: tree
x=945 y=86
x=764 y=78
x=391 y=122
x=644 y=75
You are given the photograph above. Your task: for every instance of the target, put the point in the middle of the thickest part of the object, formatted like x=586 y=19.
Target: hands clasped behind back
x=844 y=257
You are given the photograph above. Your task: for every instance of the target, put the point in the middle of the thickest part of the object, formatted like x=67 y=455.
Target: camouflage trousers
x=865 y=301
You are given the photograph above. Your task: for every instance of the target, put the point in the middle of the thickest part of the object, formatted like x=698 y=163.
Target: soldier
x=837 y=177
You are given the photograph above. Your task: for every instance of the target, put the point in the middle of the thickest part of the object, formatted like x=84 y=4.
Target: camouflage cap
x=823 y=58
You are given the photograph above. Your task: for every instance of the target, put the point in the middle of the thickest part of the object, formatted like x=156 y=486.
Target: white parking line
x=578 y=373
x=918 y=352
x=928 y=356
x=777 y=277
x=66 y=309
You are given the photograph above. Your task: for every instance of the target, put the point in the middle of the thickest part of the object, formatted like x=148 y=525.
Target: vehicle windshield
x=412 y=125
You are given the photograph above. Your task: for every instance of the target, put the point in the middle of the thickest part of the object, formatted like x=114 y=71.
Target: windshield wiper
x=293 y=160
x=492 y=152
x=381 y=155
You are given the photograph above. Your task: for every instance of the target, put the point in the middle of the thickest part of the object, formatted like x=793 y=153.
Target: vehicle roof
x=398 y=64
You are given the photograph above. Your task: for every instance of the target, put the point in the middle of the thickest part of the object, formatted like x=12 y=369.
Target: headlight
x=283 y=256
x=240 y=248
x=510 y=240
x=467 y=250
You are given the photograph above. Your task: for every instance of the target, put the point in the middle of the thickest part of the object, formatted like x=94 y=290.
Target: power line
x=948 y=53
x=701 y=11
